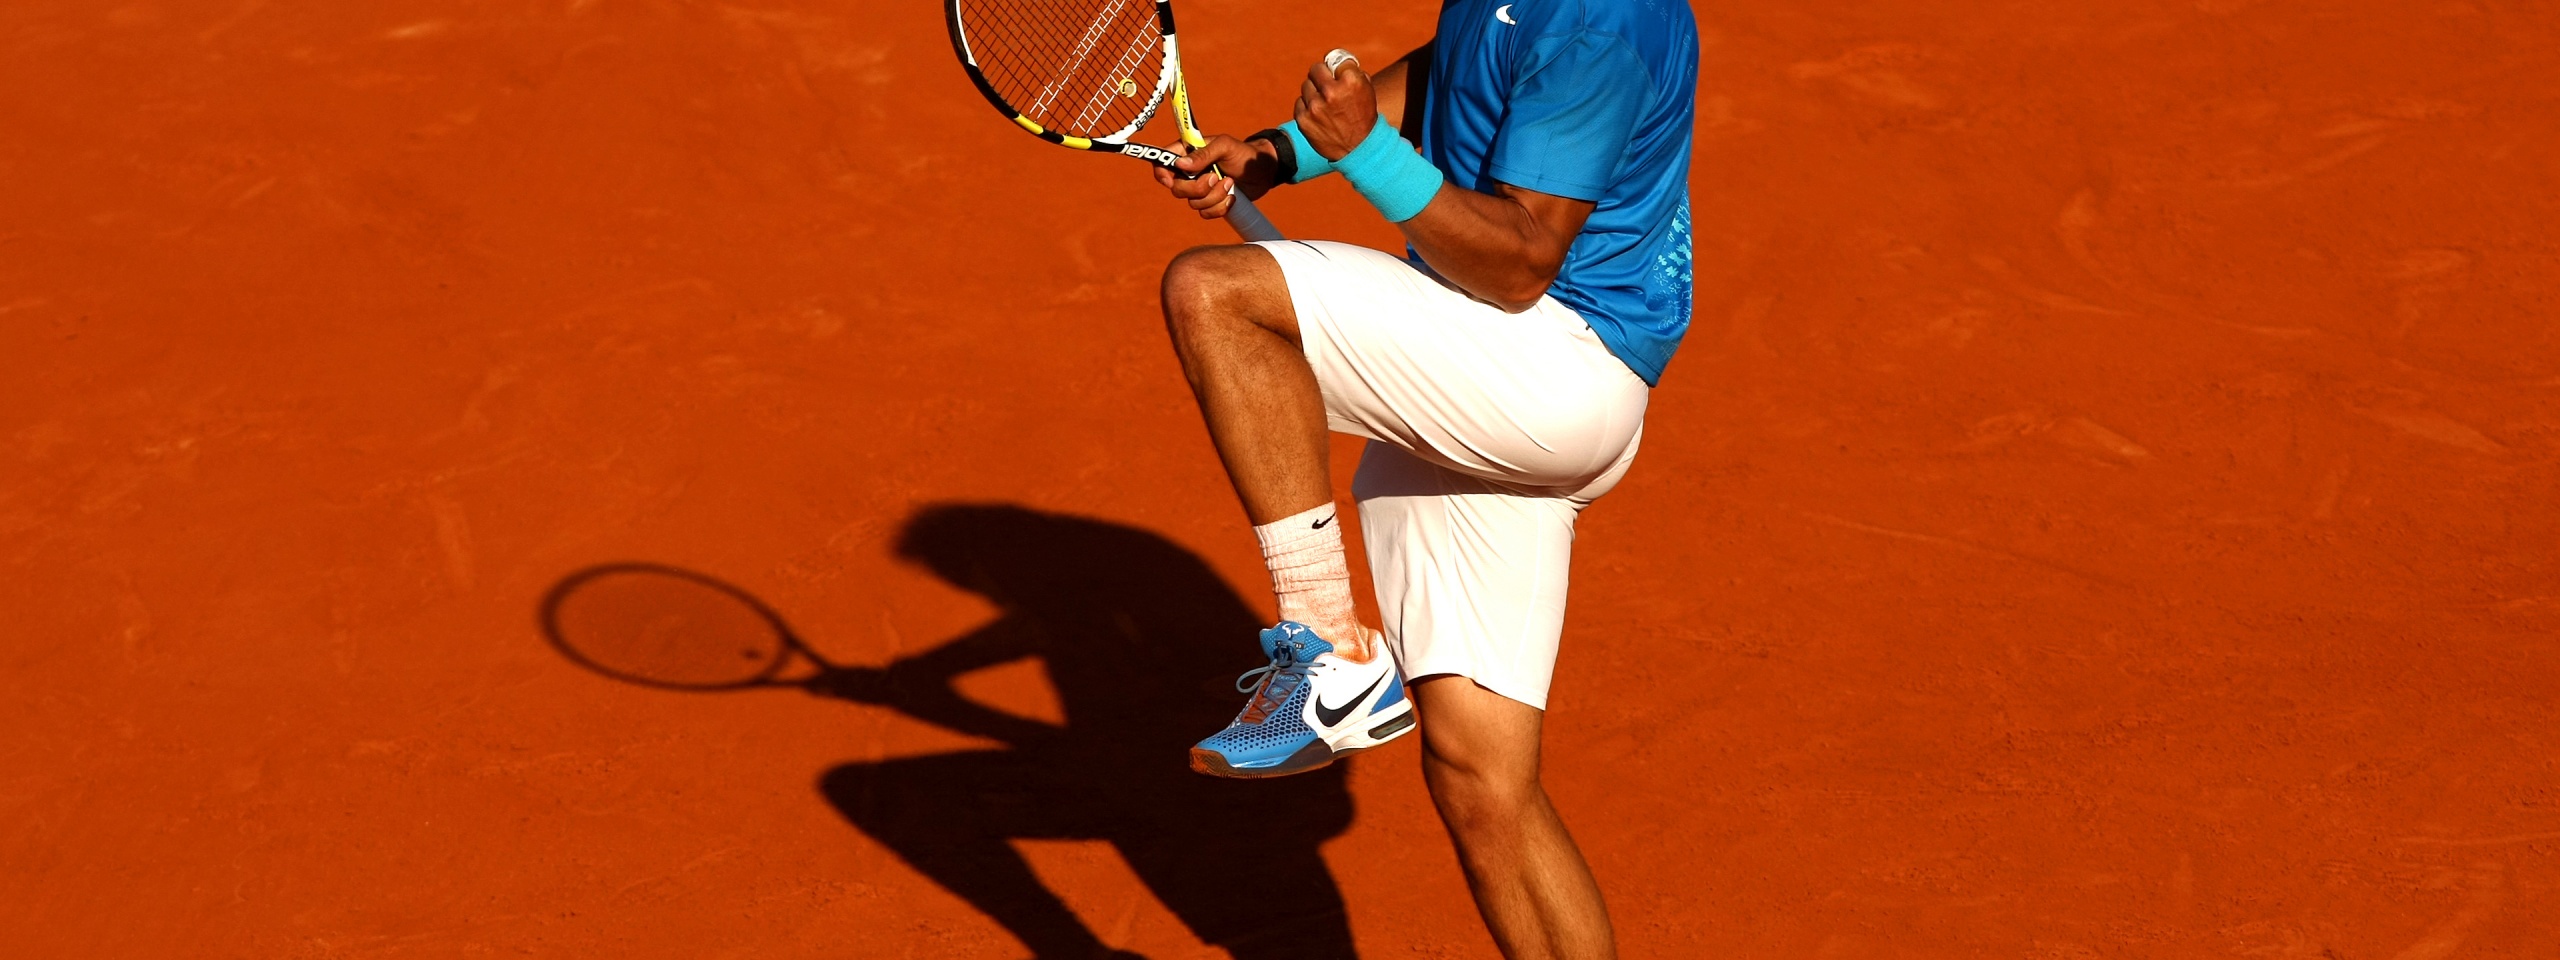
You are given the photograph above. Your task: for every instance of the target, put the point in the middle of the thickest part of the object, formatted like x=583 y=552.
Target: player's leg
x=1471 y=582
x=1480 y=759
x=1471 y=578
x=1229 y=314
x=1326 y=690
x=1228 y=311
x=1532 y=401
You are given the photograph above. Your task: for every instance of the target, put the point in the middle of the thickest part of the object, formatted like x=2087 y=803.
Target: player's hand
x=1337 y=108
x=1252 y=166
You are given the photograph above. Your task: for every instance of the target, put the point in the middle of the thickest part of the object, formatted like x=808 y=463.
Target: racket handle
x=1249 y=222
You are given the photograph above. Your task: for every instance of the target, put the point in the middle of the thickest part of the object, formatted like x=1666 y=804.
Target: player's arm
x=1255 y=162
x=1390 y=83
x=1504 y=247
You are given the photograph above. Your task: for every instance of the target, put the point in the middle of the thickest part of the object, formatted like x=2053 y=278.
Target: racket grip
x=1249 y=222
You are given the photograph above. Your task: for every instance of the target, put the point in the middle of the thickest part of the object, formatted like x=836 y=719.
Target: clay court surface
x=2105 y=507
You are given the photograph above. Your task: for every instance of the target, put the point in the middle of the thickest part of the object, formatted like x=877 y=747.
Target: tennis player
x=1536 y=156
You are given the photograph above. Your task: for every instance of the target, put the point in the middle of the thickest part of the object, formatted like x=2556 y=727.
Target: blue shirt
x=1593 y=100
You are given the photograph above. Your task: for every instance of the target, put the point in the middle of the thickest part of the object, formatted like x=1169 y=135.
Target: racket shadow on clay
x=1141 y=641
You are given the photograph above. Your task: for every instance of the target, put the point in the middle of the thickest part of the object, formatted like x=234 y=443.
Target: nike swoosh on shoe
x=1332 y=716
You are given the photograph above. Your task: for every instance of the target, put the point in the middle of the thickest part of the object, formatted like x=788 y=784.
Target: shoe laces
x=1284 y=666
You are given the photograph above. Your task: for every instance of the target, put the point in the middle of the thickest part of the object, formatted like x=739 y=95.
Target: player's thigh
x=1532 y=400
x=1470 y=576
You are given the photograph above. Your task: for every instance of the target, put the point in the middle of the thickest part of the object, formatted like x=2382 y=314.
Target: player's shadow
x=1141 y=641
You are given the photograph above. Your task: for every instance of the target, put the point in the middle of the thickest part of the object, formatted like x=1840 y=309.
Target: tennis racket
x=675 y=629
x=1086 y=75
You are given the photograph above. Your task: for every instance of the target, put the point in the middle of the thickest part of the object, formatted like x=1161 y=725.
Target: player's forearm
x=1495 y=247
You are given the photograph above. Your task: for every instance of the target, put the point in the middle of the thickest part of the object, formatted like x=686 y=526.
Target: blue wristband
x=1389 y=172
x=1310 y=163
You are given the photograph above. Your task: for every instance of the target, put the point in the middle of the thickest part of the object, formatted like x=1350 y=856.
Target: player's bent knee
x=1197 y=277
x=1212 y=286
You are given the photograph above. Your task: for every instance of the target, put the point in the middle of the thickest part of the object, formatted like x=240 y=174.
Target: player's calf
x=1480 y=760
x=1228 y=311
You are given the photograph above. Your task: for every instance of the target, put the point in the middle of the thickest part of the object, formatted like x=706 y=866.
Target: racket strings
x=1075 y=63
x=1133 y=58
x=1088 y=68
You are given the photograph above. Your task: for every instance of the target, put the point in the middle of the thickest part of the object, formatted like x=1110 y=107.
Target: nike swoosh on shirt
x=1503 y=13
x=1320 y=523
x=1330 y=716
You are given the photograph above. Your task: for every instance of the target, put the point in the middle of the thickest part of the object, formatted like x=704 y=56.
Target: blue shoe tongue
x=1306 y=646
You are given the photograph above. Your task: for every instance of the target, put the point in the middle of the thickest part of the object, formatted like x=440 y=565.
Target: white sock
x=1311 y=576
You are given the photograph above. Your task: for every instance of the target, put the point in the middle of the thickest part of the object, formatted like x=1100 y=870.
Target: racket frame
x=790 y=646
x=1247 y=221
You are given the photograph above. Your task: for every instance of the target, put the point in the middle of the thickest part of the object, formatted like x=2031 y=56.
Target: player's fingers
x=1337 y=73
x=1343 y=101
x=1343 y=68
x=1184 y=177
x=1193 y=161
x=1350 y=79
x=1195 y=190
x=1222 y=194
x=1225 y=151
x=1319 y=78
x=1305 y=107
x=1200 y=193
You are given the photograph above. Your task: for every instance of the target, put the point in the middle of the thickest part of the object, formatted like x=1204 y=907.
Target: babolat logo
x=1155 y=155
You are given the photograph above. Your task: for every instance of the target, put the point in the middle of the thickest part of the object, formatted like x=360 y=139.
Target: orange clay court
x=2105 y=506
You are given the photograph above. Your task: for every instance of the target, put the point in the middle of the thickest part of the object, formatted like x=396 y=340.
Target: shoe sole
x=1313 y=756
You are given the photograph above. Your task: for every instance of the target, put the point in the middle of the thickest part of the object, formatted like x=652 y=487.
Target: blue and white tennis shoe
x=1309 y=706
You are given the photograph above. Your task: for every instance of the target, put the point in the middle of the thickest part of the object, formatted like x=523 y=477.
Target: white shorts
x=1491 y=432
